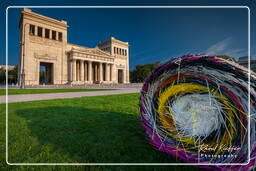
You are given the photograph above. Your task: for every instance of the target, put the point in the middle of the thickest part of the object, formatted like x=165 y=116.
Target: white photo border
x=249 y=85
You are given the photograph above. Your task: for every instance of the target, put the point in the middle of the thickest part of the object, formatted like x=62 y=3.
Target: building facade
x=44 y=45
x=244 y=61
x=9 y=67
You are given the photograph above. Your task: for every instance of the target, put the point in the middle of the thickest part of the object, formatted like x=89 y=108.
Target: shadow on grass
x=86 y=135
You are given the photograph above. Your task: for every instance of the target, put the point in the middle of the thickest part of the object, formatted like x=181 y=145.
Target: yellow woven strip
x=173 y=91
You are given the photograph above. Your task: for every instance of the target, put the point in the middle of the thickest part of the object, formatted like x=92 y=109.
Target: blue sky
x=153 y=34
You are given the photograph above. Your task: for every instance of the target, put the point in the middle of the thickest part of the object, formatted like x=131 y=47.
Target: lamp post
x=22 y=86
x=22 y=74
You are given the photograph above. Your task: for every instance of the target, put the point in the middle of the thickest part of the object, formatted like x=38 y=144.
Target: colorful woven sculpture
x=196 y=108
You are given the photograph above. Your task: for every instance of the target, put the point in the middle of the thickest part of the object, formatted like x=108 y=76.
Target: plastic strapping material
x=196 y=108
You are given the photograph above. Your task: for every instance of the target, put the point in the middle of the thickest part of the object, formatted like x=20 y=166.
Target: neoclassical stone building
x=44 y=44
x=244 y=61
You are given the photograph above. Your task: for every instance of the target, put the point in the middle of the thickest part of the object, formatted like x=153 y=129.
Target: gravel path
x=46 y=96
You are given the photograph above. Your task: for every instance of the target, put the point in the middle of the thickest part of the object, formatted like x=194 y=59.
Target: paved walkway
x=46 y=96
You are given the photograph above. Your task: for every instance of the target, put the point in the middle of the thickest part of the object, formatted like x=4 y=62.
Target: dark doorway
x=46 y=73
x=120 y=76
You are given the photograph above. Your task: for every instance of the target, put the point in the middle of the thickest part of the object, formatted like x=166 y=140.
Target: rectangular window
x=32 y=29
x=60 y=36
x=53 y=35
x=39 y=31
x=125 y=52
x=47 y=33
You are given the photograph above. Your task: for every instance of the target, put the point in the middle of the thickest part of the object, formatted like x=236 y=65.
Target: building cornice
x=28 y=13
x=83 y=55
x=79 y=46
x=119 y=41
x=113 y=40
x=91 y=51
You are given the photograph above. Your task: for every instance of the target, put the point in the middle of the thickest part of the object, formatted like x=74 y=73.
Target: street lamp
x=22 y=74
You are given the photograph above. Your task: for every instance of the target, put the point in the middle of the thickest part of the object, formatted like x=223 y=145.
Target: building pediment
x=91 y=54
x=89 y=51
x=97 y=51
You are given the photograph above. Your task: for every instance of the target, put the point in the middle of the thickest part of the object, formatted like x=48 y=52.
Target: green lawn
x=38 y=91
x=81 y=130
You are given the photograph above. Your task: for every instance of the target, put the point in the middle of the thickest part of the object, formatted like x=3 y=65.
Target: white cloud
x=236 y=53
x=223 y=47
x=218 y=47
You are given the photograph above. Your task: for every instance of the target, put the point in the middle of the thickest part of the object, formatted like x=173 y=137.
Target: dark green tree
x=2 y=76
x=13 y=75
x=141 y=72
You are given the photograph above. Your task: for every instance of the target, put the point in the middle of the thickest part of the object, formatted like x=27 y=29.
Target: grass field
x=81 y=130
x=39 y=91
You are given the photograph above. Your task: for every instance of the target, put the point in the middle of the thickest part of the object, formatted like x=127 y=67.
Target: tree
x=141 y=72
x=13 y=75
x=2 y=76
x=227 y=57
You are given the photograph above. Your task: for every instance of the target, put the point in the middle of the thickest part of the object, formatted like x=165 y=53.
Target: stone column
x=43 y=30
x=82 y=70
x=57 y=35
x=50 y=34
x=124 y=76
x=36 y=28
x=85 y=71
x=70 y=71
x=73 y=70
x=96 y=72
x=127 y=67
x=113 y=74
x=77 y=71
x=107 y=72
x=100 y=72
x=90 y=71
